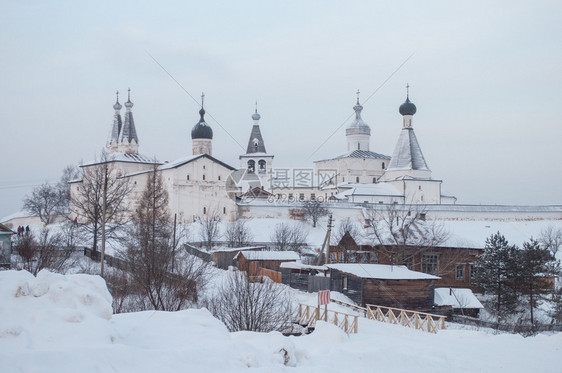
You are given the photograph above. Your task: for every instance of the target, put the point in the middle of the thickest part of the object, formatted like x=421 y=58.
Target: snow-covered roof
x=269 y=255
x=407 y=153
x=297 y=265
x=181 y=161
x=224 y=249
x=124 y=157
x=381 y=271
x=458 y=298
x=358 y=154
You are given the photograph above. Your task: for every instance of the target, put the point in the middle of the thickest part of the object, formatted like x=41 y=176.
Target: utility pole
x=103 y=215
x=323 y=257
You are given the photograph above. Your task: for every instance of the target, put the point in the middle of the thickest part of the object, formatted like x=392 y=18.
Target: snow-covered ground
x=57 y=323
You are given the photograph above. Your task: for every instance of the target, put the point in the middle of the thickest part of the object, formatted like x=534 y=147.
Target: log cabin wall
x=408 y=294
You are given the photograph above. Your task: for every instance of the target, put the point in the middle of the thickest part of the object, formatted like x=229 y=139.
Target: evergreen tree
x=497 y=274
x=538 y=267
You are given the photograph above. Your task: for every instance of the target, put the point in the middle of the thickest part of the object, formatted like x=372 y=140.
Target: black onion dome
x=202 y=130
x=407 y=108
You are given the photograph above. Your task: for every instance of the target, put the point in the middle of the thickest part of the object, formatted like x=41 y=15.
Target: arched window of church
x=383 y=165
x=224 y=210
x=203 y=176
x=374 y=180
x=357 y=179
x=187 y=177
x=261 y=165
x=219 y=177
x=251 y=166
x=204 y=210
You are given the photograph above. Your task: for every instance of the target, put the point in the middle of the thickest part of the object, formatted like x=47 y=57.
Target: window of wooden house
x=344 y=282
x=333 y=258
x=430 y=264
x=363 y=258
x=459 y=272
x=342 y=258
x=472 y=272
x=352 y=258
x=373 y=258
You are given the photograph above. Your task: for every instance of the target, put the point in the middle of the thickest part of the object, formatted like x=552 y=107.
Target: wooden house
x=252 y=261
x=454 y=265
x=224 y=256
x=384 y=285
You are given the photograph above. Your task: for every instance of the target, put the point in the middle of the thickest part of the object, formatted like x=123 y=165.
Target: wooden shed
x=224 y=256
x=462 y=301
x=252 y=261
x=384 y=285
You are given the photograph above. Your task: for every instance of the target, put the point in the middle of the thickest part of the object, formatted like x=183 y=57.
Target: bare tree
x=69 y=173
x=166 y=277
x=88 y=201
x=287 y=237
x=46 y=251
x=260 y=307
x=551 y=238
x=237 y=234
x=403 y=235
x=45 y=201
x=314 y=210
x=209 y=228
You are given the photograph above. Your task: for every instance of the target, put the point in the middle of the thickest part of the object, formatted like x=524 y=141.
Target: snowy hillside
x=56 y=323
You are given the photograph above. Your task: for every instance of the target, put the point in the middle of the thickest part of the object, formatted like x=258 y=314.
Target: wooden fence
x=411 y=319
x=274 y=275
x=308 y=315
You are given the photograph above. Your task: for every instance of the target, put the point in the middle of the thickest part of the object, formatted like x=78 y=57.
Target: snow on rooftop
x=458 y=298
x=223 y=249
x=297 y=265
x=381 y=271
x=179 y=162
x=124 y=157
x=270 y=255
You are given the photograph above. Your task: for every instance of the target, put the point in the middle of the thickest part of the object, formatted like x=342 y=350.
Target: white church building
x=199 y=184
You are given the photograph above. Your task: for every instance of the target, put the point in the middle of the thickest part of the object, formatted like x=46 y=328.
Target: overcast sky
x=486 y=78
